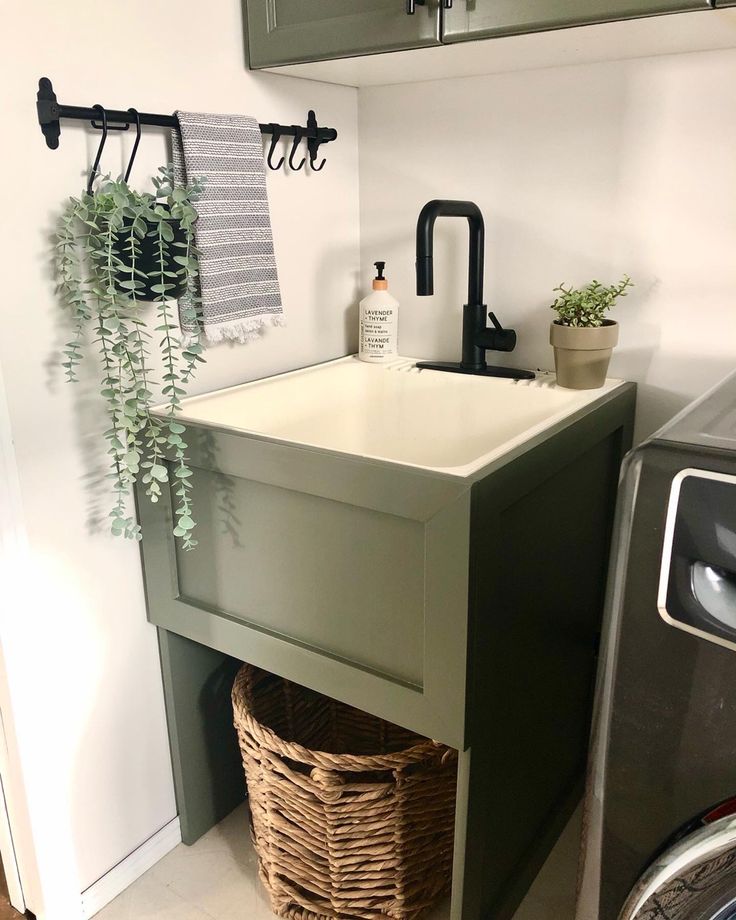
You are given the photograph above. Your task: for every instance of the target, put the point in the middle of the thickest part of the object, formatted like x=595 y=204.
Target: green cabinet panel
x=294 y=31
x=473 y=19
x=540 y=534
x=372 y=561
x=345 y=576
x=205 y=757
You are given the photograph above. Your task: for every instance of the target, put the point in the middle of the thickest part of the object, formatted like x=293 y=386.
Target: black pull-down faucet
x=477 y=337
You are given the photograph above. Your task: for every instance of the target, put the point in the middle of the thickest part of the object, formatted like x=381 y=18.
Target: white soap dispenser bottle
x=379 y=322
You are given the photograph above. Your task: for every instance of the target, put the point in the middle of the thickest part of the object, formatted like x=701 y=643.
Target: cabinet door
x=296 y=31
x=469 y=19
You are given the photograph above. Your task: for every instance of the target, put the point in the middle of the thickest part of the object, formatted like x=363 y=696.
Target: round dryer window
x=694 y=880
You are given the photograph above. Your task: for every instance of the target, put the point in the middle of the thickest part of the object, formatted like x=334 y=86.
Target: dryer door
x=728 y=912
x=694 y=880
x=697 y=587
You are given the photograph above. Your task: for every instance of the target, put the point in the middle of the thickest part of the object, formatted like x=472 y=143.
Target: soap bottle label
x=377 y=333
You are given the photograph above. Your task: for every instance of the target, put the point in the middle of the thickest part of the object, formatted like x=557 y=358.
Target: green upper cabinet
x=293 y=31
x=473 y=19
x=280 y=33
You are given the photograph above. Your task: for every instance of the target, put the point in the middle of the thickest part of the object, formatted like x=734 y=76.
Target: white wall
x=581 y=172
x=87 y=697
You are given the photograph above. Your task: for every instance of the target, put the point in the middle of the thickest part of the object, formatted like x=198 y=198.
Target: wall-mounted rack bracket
x=51 y=111
x=48 y=112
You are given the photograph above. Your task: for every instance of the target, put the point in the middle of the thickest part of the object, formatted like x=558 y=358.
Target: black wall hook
x=96 y=164
x=298 y=134
x=276 y=137
x=137 y=117
x=313 y=142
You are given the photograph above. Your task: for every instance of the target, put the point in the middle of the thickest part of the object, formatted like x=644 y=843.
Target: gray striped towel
x=238 y=276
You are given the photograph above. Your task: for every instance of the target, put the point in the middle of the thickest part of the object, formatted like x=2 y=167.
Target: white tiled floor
x=216 y=879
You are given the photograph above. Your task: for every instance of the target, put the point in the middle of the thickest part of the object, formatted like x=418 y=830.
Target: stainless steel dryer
x=659 y=832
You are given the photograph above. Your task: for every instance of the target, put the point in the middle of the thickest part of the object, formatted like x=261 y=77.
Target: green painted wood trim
x=208 y=773
x=461 y=834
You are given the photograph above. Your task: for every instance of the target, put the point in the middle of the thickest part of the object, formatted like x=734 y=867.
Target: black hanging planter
x=148 y=269
x=147 y=261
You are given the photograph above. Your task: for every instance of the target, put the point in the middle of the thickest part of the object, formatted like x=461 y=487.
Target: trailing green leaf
x=98 y=252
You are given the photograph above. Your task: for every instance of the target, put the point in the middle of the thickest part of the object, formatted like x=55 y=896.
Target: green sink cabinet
x=293 y=31
x=467 y=608
x=490 y=18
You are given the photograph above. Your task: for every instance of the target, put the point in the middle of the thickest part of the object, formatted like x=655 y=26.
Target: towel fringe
x=240 y=330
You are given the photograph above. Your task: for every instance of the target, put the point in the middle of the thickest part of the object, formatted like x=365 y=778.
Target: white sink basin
x=396 y=413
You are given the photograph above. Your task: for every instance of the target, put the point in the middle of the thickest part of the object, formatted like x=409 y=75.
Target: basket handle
x=330 y=784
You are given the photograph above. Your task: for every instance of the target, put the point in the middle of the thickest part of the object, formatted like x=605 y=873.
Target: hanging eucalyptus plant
x=116 y=249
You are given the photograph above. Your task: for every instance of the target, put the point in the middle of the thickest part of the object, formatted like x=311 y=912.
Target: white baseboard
x=129 y=869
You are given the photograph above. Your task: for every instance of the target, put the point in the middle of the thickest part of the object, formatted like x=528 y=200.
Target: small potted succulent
x=582 y=337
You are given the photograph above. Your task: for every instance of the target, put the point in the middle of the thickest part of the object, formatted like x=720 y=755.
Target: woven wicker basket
x=352 y=817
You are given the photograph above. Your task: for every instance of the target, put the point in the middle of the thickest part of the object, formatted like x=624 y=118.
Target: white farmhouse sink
x=381 y=535
x=444 y=422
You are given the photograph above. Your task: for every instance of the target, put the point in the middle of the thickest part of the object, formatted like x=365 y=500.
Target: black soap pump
x=379 y=322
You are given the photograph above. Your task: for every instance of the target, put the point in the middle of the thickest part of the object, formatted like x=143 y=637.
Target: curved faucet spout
x=477 y=337
x=425 y=246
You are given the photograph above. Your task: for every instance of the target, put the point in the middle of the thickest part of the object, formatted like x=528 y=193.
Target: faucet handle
x=502 y=339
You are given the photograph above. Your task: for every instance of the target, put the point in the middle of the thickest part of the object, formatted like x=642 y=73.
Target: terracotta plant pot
x=582 y=354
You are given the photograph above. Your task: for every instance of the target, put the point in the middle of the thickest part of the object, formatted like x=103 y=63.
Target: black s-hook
x=313 y=142
x=96 y=164
x=276 y=137
x=298 y=135
x=134 y=113
x=312 y=160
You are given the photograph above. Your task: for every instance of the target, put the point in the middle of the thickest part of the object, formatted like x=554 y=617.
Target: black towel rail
x=51 y=111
